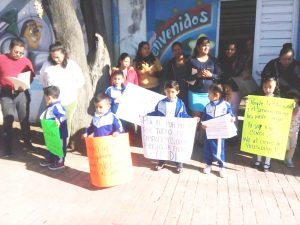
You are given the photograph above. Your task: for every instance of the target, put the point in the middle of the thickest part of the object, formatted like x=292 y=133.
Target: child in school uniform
x=217 y=107
x=171 y=106
x=269 y=88
x=294 y=130
x=55 y=111
x=116 y=90
x=104 y=122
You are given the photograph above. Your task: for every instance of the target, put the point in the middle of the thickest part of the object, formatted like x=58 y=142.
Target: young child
x=217 y=107
x=171 y=106
x=55 y=111
x=269 y=89
x=104 y=122
x=116 y=90
x=294 y=129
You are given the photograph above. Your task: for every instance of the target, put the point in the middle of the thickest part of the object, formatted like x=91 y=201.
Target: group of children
x=104 y=121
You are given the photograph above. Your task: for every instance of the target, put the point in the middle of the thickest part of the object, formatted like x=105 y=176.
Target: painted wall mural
x=19 y=19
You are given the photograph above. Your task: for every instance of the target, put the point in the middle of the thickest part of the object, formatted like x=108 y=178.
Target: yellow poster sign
x=110 y=160
x=266 y=126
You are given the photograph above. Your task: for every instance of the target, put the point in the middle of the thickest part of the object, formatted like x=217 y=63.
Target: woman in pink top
x=124 y=64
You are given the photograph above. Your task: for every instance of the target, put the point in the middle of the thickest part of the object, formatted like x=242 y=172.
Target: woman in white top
x=64 y=73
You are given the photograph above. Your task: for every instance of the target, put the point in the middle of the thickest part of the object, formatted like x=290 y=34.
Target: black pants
x=12 y=102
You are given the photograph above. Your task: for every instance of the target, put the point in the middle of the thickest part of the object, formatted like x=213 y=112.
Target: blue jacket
x=56 y=111
x=160 y=109
x=104 y=125
x=114 y=93
x=216 y=109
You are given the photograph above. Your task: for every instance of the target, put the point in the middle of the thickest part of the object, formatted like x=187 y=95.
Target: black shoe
x=179 y=169
x=267 y=167
x=159 y=166
x=7 y=155
x=256 y=165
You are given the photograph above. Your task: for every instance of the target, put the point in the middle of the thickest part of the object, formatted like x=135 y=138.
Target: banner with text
x=136 y=102
x=110 y=160
x=266 y=126
x=168 y=138
x=52 y=137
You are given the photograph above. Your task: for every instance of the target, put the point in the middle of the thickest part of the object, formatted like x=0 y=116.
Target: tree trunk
x=67 y=29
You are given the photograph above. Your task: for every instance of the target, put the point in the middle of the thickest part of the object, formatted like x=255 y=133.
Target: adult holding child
x=286 y=69
x=64 y=73
x=11 y=65
x=148 y=67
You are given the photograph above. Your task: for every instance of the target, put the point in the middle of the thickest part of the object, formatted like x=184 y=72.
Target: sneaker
x=179 y=169
x=207 y=169
x=56 y=166
x=222 y=172
x=159 y=166
x=289 y=164
x=266 y=167
x=257 y=165
x=45 y=163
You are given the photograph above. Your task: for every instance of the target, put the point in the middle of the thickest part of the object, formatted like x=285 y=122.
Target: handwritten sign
x=110 y=160
x=52 y=137
x=168 y=138
x=220 y=127
x=136 y=102
x=266 y=126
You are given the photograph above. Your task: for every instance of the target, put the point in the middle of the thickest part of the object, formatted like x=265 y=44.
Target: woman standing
x=124 y=64
x=204 y=69
x=147 y=67
x=177 y=69
x=64 y=73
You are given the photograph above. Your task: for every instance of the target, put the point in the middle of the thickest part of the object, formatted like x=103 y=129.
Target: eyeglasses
x=18 y=52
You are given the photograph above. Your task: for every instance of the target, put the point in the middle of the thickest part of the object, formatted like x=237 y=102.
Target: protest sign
x=52 y=137
x=220 y=127
x=136 y=102
x=168 y=138
x=266 y=126
x=109 y=159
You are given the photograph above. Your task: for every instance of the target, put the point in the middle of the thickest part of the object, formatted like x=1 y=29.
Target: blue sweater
x=56 y=111
x=104 y=125
x=216 y=109
x=161 y=109
x=113 y=92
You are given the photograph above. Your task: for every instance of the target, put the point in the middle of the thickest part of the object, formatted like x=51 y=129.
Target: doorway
x=237 y=23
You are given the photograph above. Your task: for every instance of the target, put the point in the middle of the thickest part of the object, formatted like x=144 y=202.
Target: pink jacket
x=131 y=76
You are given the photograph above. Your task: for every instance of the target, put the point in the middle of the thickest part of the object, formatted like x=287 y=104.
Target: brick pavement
x=31 y=195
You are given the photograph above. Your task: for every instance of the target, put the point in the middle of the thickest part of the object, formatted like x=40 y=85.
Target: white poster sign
x=168 y=138
x=136 y=102
x=220 y=127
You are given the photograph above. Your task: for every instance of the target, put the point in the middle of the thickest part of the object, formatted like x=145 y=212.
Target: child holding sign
x=104 y=122
x=214 y=149
x=294 y=129
x=270 y=89
x=55 y=111
x=171 y=106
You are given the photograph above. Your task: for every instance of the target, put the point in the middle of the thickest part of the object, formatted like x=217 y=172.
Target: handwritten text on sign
x=266 y=126
x=109 y=159
x=137 y=101
x=168 y=138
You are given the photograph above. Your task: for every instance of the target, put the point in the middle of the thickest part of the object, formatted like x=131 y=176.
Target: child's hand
x=118 y=100
x=232 y=119
x=84 y=136
x=57 y=122
x=203 y=126
x=198 y=118
x=115 y=134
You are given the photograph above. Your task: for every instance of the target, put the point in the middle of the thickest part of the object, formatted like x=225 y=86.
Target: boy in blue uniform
x=171 y=106
x=104 y=122
x=55 y=111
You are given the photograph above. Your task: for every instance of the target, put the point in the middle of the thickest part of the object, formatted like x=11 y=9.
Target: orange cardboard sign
x=110 y=160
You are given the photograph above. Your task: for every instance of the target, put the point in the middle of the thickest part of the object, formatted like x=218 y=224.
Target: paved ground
x=34 y=195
